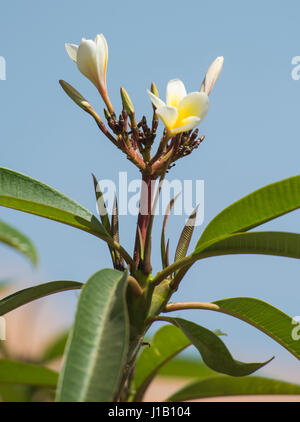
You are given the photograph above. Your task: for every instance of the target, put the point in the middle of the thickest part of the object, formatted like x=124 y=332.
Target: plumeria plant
x=107 y=357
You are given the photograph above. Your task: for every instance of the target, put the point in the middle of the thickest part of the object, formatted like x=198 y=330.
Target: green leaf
x=102 y=211
x=115 y=221
x=186 y=368
x=167 y=254
x=185 y=237
x=55 y=349
x=263 y=316
x=36 y=292
x=23 y=193
x=213 y=351
x=97 y=347
x=18 y=241
x=118 y=260
x=141 y=246
x=101 y=205
x=266 y=243
x=14 y=372
x=254 y=209
x=227 y=386
x=167 y=342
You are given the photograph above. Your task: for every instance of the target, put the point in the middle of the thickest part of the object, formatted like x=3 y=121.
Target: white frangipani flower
x=91 y=58
x=212 y=75
x=181 y=112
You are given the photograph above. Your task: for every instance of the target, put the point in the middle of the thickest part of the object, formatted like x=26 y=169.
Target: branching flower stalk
x=181 y=113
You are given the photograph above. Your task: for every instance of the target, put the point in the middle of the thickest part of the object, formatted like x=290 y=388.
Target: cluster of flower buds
x=188 y=142
x=181 y=112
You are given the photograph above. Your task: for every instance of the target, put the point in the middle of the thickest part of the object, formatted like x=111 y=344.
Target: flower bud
x=154 y=89
x=212 y=75
x=91 y=58
x=80 y=100
x=127 y=104
x=76 y=96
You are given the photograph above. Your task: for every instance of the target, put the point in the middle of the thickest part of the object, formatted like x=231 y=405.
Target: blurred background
x=252 y=139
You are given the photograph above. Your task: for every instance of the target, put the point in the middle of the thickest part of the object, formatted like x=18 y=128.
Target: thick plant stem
x=147 y=243
x=138 y=308
x=144 y=214
x=180 y=306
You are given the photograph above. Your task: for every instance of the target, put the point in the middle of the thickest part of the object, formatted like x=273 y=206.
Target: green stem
x=115 y=245
x=179 y=306
x=147 y=247
x=163 y=274
x=161 y=148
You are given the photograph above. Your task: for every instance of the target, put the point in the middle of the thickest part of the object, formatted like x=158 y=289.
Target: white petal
x=157 y=102
x=168 y=115
x=101 y=57
x=175 y=92
x=86 y=61
x=212 y=75
x=186 y=124
x=194 y=104
x=72 y=51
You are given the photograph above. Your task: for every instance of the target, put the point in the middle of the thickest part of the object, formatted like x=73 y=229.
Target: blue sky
x=252 y=135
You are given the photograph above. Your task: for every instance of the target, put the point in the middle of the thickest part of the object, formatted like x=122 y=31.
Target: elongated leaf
x=115 y=221
x=254 y=209
x=263 y=316
x=141 y=246
x=164 y=256
x=167 y=253
x=55 y=349
x=101 y=205
x=36 y=292
x=186 y=368
x=179 y=275
x=185 y=237
x=18 y=241
x=14 y=372
x=227 y=386
x=266 y=243
x=213 y=351
x=167 y=342
x=118 y=260
x=97 y=347
x=102 y=211
x=29 y=195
